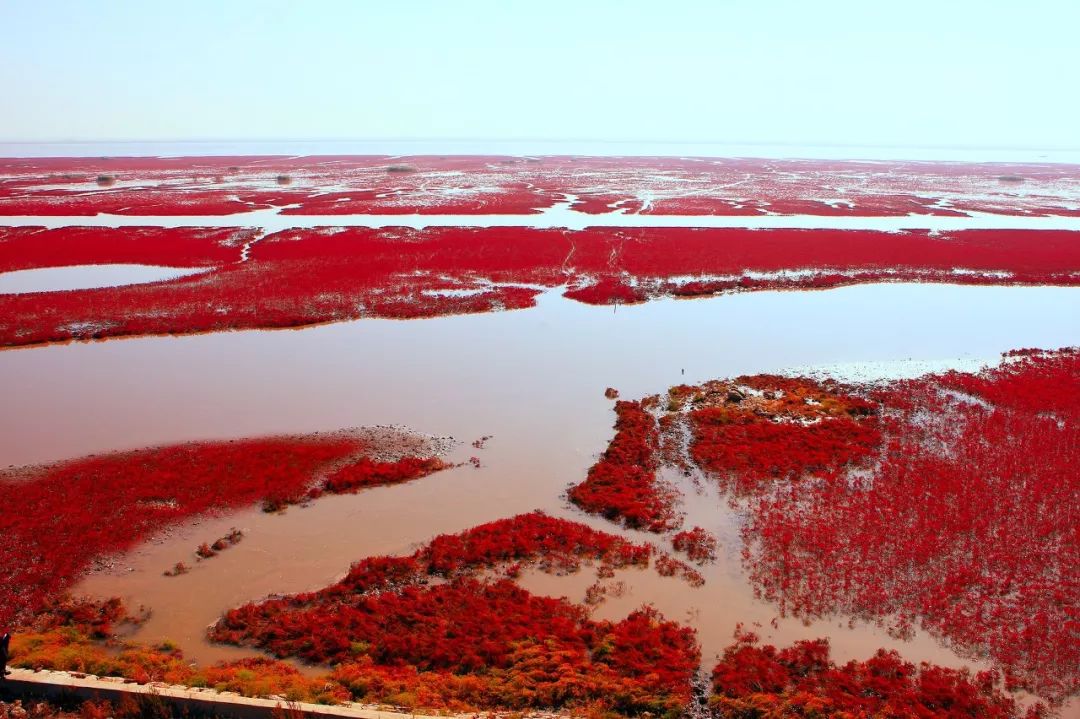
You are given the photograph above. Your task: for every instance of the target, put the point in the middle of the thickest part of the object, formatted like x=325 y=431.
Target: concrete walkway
x=187 y=701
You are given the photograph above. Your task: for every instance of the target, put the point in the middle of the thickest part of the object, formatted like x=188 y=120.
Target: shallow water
x=85 y=277
x=534 y=379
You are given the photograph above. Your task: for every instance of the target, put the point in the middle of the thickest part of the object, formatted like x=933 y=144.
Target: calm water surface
x=534 y=379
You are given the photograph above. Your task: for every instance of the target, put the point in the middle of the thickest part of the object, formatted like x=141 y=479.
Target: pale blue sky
x=990 y=73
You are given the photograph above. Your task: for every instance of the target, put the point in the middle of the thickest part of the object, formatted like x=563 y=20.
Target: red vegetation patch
x=177 y=570
x=462 y=641
x=667 y=566
x=301 y=277
x=768 y=427
x=366 y=472
x=949 y=502
x=79 y=637
x=206 y=550
x=535 y=538
x=466 y=199
x=968 y=526
x=58 y=518
x=229 y=540
x=95 y=620
x=560 y=660
x=802 y=680
x=1029 y=381
x=744 y=432
x=623 y=483
x=698 y=544
x=479 y=184
x=23 y=248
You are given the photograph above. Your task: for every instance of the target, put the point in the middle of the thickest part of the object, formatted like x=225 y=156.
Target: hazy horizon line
x=540 y=140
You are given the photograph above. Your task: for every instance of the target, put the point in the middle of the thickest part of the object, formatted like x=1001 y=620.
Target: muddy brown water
x=533 y=379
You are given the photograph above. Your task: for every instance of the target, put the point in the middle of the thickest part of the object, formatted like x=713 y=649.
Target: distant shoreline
x=176 y=148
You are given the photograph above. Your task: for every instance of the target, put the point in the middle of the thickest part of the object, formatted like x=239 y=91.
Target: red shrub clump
x=467 y=641
x=698 y=544
x=623 y=483
x=968 y=525
x=58 y=518
x=366 y=472
x=207 y=550
x=802 y=680
x=533 y=537
x=668 y=566
x=764 y=427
